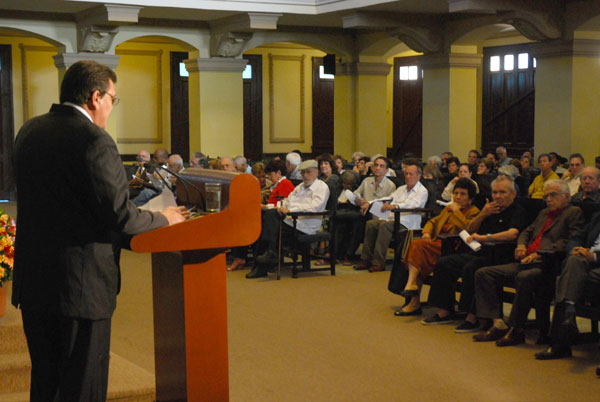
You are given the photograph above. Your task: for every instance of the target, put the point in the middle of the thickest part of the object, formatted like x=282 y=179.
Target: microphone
x=185 y=182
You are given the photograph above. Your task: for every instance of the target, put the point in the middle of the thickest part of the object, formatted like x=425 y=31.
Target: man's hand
x=530 y=258
x=175 y=214
x=136 y=183
x=283 y=210
x=476 y=237
x=490 y=208
x=454 y=180
x=521 y=252
x=387 y=207
x=584 y=252
x=426 y=236
x=364 y=208
x=360 y=201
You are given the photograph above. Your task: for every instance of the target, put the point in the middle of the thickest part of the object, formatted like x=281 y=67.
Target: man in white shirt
x=573 y=175
x=309 y=196
x=378 y=232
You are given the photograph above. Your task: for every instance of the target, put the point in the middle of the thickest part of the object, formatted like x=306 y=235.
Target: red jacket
x=281 y=189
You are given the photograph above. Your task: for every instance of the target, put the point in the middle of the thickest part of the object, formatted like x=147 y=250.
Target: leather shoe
x=492 y=334
x=376 y=268
x=267 y=258
x=568 y=331
x=514 y=336
x=554 y=352
x=363 y=265
x=402 y=313
x=256 y=273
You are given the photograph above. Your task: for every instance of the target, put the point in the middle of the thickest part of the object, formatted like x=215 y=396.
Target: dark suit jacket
x=555 y=238
x=72 y=207
x=587 y=236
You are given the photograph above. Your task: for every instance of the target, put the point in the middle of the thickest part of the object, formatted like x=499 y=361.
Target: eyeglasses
x=551 y=195
x=114 y=99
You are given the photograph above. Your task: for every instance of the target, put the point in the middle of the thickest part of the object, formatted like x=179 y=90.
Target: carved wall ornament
x=228 y=44
x=95 y=38
x=419 y=39
x=537 y=27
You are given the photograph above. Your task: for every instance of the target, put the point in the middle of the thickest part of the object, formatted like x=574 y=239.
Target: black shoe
x=436 y=319
x=554 y=352
x=401 y=313
x=468 y=326
x=568 y=331
x=267 y=258
x=256 y=273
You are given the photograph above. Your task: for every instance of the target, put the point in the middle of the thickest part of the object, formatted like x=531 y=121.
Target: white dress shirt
x=415 y=198
x=307 y=199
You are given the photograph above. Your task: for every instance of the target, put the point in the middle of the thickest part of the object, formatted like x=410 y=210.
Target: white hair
x=562 y=185
x=293 y=158
x=435 y=159
x=358 y=153
x=509 y=170
x=240 y=160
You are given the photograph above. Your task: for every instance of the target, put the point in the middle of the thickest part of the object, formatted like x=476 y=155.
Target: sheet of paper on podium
x=160 y=202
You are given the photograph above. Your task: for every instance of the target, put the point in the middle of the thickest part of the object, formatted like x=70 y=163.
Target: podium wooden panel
x=190 y=294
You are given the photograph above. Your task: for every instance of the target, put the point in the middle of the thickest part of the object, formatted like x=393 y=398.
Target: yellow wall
x=142 y=120
x=290 y=126
x=585 y=136
x=344 y=124
x=35 y=79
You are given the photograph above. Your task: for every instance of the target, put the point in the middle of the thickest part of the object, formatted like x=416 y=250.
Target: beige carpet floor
x=323 y=338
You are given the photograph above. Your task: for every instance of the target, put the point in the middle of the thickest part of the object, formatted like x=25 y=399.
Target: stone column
x=566 y=98
x=216 y=98
x=451 y=111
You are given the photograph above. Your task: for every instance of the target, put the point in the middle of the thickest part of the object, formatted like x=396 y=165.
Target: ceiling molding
x=216 y=64
x=568 y=48
x=109 y=14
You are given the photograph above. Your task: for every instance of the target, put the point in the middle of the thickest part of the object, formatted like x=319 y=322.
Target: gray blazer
x=555 y=238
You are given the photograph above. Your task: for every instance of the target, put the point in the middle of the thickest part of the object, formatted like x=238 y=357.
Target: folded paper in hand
x=376 y=210
x=350 y=196
x=475 y=245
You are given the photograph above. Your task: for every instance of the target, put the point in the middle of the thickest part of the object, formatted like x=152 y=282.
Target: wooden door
x=7 y=136
x=180 y=112
x=253 y=141
x=408 y=107
x=322 y=104
x=508 y=99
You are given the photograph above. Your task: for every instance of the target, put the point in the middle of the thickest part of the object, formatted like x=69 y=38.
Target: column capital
x=215 y=64
x=567 y=48
x=449 y=60
x=66 y=60
x=358 y=68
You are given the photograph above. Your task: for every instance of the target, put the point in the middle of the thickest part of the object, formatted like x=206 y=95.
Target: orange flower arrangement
x=7 y=247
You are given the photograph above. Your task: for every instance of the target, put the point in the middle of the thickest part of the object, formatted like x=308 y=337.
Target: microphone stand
x=185 y=182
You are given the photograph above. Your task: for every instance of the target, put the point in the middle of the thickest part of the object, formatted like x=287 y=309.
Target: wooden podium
x=189 y=289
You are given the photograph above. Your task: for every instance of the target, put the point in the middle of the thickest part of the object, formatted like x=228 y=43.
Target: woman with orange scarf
x=423 y=253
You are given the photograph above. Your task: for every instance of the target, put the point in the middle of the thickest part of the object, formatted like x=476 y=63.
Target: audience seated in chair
x=292 y=161
x=423 y=253
x=463 y=172
x=590 y=186
x=143 y=186
x=227 y=164
x=581 y=265
x=351 y=223
x=536 y=189
x=533 y=281
x=499 y=221
x=378 y=232
x=309 y=196
x=199 y=160
x=573 y=175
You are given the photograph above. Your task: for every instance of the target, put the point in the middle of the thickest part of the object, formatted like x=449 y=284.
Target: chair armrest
x=445 y=236
x=413 y=210
x=303 y=213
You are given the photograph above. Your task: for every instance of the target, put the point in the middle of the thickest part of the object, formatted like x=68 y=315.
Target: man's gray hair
x=358 y=154
x=562 y=185
x=293 y=158
x=509 y=170
x=435 y=159
x=502 y=178
x=501 y=148
x=176 y=159
x=240 y=160
x=593 y=169
x=199 y=155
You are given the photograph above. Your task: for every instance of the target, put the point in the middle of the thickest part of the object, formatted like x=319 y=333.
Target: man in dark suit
x=582 y=264
x=551 y=230
x=73 y=213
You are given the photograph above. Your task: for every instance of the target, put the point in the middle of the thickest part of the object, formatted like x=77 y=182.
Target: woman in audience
x=453 y=164
x=278 y=187
x=339 y=164
x=258 y=171
x=463 y=172
x=333 y=181
x=423 y=253
x=431 y=172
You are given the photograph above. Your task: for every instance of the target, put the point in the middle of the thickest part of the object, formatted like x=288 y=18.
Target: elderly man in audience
x=175 y=164
x=378 y=232
x=292 y=161
x=350 y=225
x=309 y=196
x=356 y=157
x=445 y=158
x=590 y=186
x=499 y=221
x=161 y=156
x=473 y=160
x=551 y=230
x=241 y=165
x=581 y=265
x=143 y=185
x=502 y=156
x=199 y=160
x=227 y=164
x=536 y=189
x=573 y=175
